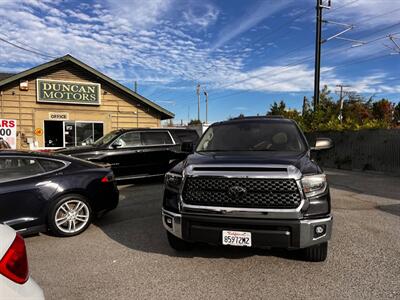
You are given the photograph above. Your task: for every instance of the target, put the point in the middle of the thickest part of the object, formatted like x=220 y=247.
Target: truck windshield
x=252 y=136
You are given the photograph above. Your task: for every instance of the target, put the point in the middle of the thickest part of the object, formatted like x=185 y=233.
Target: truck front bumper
x=290 y=234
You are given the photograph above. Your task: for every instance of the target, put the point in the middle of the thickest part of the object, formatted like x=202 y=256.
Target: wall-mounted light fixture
x=24 y=85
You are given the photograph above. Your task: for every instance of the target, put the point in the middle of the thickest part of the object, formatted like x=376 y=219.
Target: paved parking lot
x=125 y=255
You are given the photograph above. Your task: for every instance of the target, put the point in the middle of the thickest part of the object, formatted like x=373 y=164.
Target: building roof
x=5 y=75
x=165 y=114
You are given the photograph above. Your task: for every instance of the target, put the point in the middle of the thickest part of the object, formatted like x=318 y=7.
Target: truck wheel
x=177 y=243
x=316 y=253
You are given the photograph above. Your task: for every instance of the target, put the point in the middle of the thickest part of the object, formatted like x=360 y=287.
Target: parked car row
x=248 y=182
x=63 y=191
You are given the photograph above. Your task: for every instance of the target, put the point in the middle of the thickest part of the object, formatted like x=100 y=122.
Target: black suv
x=250 y=182
x=138 y=153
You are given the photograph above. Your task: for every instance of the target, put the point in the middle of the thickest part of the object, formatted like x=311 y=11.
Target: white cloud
x=366 y=11
x=298 y=78
x=249 y=19
x=140 y=13
x=129 y=42
x=201 y=16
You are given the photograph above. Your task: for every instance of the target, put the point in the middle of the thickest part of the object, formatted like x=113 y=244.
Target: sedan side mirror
x=187 y=147
x=117 y=144
x=322 y=144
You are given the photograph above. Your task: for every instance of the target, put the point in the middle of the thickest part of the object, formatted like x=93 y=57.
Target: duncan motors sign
x=68 y=92
x=8 y=134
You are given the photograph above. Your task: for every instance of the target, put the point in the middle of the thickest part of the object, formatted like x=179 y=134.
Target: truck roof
x=277 y=119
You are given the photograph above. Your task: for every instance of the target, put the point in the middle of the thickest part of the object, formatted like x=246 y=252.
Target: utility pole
x=341 y=98
x=135 y=85
x=198 y=101
x=188 y=117
x=318 y=39
x=206 y=94
x=396 y=47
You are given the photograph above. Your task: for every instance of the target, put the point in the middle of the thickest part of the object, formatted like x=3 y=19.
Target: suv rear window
x=156 y=138
x=182 y=136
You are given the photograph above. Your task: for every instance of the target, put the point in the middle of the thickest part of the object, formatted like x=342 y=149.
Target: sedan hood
x=300 y=160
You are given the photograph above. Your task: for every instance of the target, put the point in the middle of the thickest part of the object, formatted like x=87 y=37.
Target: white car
x=15 y=282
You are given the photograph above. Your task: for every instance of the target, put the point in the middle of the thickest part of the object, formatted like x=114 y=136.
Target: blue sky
x=246 y=54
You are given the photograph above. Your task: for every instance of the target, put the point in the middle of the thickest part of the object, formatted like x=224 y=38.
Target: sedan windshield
x=106 y=138
x=252 y=136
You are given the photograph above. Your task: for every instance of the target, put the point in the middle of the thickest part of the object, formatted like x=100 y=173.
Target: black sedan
x=40 y=191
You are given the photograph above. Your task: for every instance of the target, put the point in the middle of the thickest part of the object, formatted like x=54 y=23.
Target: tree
x=358 y=112
x=383 y=110
x=194 y=122
x=396 y=116
x=277 y=109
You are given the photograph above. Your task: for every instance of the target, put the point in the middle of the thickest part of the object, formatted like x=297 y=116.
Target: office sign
x=58 y=116
x=8 y=134
x=68 y=92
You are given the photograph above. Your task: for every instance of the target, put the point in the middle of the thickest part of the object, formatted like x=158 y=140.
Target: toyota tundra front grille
x=241 y=192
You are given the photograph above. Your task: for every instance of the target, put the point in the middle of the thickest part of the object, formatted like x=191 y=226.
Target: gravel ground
x=125 y=255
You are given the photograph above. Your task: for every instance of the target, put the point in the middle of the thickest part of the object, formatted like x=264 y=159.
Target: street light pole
x=206 y=94
x=198 y=101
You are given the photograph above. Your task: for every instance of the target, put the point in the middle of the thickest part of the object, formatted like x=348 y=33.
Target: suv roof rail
x=259 y=117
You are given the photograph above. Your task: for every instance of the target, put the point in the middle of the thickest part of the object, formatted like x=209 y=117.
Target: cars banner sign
x=8 y=134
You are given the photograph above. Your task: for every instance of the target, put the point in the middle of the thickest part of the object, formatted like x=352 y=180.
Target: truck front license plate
x=236 y=238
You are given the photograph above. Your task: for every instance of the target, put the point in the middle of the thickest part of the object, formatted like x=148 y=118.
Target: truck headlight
x=314 y=185
x=173 y=180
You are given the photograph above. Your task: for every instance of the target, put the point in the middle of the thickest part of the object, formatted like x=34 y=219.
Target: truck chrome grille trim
x=241 y=192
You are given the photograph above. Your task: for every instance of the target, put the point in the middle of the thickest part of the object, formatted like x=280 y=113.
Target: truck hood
x=300 y=160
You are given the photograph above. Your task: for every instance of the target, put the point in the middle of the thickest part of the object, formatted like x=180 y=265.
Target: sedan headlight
x=314 y=185
x=173 y=180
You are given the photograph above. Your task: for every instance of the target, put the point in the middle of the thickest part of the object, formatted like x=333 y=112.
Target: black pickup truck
x=139 y=152
x=250 y=182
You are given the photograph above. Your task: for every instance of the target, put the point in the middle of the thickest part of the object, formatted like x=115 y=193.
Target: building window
x=71 y=133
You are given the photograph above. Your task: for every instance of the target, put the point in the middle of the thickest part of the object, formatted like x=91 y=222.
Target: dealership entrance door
x=58 y=134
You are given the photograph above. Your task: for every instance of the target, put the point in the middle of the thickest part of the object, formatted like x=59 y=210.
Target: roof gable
x=165 y=114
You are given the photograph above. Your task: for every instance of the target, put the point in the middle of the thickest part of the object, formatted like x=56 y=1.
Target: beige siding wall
x=116 y=111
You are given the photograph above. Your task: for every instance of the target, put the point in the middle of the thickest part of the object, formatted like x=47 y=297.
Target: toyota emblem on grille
x=237 y=192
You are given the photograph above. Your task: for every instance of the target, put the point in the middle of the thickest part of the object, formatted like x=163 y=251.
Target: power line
x=279 y=28
x=304 y=46
x=277 y=82
x=335 y=9
x=282 y=26
x=307 y=58
x=369 y=58
x=385 y=28
x=26 y=49
x=334 y=49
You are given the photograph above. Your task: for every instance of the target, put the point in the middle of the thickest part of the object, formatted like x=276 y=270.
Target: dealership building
x=66 y=103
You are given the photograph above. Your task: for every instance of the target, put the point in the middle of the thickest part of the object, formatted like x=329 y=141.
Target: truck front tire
x=177 y=243
x=316 y=253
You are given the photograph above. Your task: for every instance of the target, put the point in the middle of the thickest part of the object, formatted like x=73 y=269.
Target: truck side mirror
x=322 y=144
x=187 y=147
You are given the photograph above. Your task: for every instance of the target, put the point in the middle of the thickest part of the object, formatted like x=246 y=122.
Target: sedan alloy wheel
x=72 y=216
